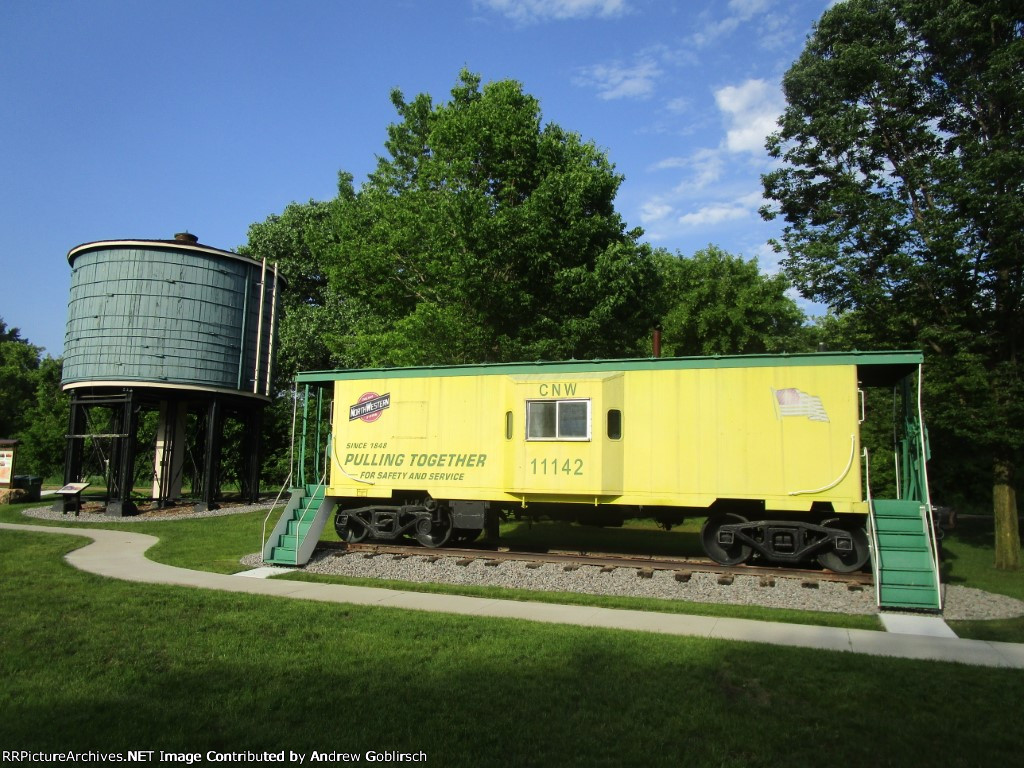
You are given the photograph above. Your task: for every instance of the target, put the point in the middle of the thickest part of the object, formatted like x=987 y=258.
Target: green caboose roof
x=873 y=368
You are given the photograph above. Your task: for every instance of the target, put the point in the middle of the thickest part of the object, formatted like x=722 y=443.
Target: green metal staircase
x=906 y=566
x=297 y=532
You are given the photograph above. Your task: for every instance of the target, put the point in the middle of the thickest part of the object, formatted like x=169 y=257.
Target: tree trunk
x=1004 y=507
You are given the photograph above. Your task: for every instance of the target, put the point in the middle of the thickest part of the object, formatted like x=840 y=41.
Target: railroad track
x=645 y=566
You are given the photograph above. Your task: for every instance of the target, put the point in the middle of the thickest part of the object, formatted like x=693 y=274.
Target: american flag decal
x=793 y=402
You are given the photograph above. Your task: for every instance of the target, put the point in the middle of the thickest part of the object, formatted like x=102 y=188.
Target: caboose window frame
x=553 y=421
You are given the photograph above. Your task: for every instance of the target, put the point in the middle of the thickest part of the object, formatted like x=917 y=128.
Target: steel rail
x=604 y=560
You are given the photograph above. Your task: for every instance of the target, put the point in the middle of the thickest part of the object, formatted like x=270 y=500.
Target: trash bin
x=31 y=484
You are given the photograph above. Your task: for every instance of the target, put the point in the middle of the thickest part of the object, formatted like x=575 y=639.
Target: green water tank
x=170 y=313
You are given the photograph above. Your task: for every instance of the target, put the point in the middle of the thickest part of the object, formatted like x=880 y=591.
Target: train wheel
x=724 y=554
x=349 y=528
x=846 y=561
x=435 y=534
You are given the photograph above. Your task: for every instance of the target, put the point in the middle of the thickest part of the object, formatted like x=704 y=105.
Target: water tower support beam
x=73 y=448
x=251 y=482
x=122 y=469
x=211 y=456
x=169 y=458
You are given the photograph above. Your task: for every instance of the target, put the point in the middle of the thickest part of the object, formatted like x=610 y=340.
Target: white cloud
x=740 y=11
x=669 y=162
x=529 y=11
x=753 y=200
x=752 y=109
x=767 y=259
x=706 y=165
x=618 y=81
x=716 y=213
x=654 y=210
x=745 y=9
x=678 y=105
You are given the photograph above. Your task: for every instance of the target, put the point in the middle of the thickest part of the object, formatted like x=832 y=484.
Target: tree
x=19 y=362
x=9 y=334
x=33 y=409
x=297 y=242
x=485 y=236
x=310 y=308
x=719 y=304
x=42 y=435
x=902 y=189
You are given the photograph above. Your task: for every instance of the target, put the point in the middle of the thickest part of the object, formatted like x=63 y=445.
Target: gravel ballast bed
x=94 y=513
x=832 y=597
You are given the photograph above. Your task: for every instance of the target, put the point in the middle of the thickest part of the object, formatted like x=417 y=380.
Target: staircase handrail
x=270 y=511
x=876 y=555
x=926 y=509
x=321 y=484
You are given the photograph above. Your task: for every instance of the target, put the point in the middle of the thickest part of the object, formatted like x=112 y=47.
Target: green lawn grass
x=218 y=543
x=968 y=557
x=756 y=613
x=96 y=664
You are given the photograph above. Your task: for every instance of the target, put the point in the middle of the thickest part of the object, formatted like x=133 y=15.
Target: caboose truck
x=766 y=446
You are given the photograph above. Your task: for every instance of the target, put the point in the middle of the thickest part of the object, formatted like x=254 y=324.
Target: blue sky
x=135 y=119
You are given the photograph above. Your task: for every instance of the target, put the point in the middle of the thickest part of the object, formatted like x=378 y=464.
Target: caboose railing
x=927 y=508
x=263 y=536
x=876 y=557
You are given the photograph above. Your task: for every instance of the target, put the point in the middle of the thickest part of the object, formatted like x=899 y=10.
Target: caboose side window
x=614 y=424
x=557 y=419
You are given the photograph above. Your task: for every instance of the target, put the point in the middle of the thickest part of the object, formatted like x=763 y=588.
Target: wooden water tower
x=173 y=331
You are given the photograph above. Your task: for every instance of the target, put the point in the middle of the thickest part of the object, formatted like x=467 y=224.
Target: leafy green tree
x=310 y=309
x=33 y=409
x=297 y=242
x=487 y=236
x=42 y=436
x=902 y=149
x=9 y=334
x=720 y=304
x=19 y=362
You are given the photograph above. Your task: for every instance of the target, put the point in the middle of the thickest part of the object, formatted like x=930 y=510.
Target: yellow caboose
x=767 y=446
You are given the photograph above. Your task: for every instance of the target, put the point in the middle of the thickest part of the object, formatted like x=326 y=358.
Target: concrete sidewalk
x=121 y=555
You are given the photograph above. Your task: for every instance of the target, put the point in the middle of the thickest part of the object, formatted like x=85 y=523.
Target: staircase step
x=908 y=579
x=909 y=597
x=282 y=555
x=897 y=524
x=907 y=542
x=907 y=575
x=298 y=530
x=896 y=508
x=903 y=560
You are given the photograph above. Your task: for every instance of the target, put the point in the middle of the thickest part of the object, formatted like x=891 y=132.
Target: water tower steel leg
x=169 y=457
x=73 y=450
x=211 y=457
x=253 y=426
x=122 y=471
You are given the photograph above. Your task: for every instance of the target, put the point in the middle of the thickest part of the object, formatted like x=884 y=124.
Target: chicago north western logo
x=369 y=407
